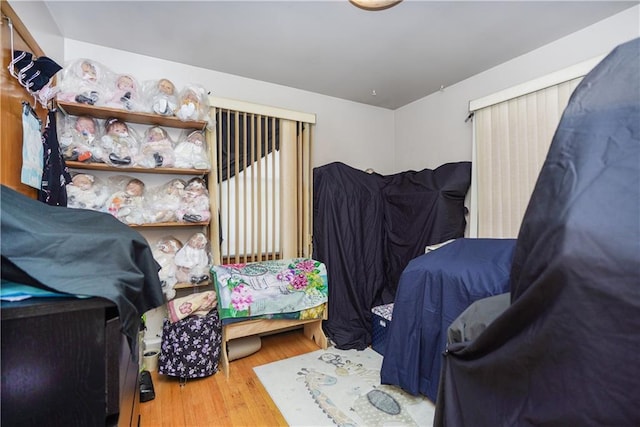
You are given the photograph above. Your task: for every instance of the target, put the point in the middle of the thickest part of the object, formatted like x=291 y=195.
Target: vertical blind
x=263 y=186
x=513 y=130
x=512 y=140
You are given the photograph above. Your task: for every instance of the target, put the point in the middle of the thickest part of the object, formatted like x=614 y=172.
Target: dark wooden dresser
x=65 y=363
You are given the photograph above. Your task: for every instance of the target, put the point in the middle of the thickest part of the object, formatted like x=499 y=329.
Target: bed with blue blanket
x=260 y=297
x=433 y=290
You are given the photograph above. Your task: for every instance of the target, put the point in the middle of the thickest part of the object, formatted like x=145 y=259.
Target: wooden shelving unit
x=99 y=112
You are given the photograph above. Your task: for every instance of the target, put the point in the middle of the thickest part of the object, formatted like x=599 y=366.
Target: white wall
x=36 y=17
x=432 y=131
x=425 y=133
x=356 y=134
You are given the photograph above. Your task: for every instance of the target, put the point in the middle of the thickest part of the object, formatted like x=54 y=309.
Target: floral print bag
x=191 y=346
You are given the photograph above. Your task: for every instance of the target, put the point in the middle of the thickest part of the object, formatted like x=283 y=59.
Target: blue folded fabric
x=12 y=291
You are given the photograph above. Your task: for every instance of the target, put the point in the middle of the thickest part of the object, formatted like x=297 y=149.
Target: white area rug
x=340 y=387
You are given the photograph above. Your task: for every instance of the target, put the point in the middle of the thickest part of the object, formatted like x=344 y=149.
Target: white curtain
x=511 y=142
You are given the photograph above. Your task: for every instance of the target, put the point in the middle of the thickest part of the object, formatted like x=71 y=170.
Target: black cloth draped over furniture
x=366 y=229
x=79 y=252
x=565 y=352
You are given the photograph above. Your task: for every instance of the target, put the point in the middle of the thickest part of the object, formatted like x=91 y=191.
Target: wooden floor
x=215 y=401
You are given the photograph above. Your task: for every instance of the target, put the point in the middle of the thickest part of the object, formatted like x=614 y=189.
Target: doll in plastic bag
x=193 y=260
x=164 y=252
x=156 y=149
x=85 y=191
x=164 y=201
x=79 y=137
x=85 y=81
x=194 y=206
x=120 y=143
x=192 y=151
x=124 y=94
x=127 y=202
x=193 y=103
x=161 y=97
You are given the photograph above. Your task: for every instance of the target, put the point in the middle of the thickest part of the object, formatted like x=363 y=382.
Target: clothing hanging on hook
x=32 y=151
x=55 y=174
x=33 y=73
x=28 y=109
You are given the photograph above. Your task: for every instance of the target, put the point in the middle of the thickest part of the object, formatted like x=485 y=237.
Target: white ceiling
x=331 y=47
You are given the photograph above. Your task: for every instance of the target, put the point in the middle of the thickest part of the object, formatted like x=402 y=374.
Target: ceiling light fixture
x=374 y=4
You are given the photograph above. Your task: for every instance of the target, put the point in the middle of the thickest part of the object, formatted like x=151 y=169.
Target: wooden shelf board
x=105 y=167
x=172 y=224
x=76 y=109
x=190 y=285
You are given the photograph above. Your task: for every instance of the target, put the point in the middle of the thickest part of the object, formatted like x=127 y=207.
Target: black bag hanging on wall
x=191 y=346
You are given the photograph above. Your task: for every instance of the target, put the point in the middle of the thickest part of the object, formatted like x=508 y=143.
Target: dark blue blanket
x=433 y=290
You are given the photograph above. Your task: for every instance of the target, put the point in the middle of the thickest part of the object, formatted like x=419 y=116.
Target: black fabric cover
x=367 y=227
x=475 y=319
x=565 y=352
x=79 y=252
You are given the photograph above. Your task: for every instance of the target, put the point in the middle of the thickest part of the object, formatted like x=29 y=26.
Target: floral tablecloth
x=295 y=287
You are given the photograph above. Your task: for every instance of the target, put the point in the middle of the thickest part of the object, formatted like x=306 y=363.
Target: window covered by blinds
x=512 y=139
x=263 y=194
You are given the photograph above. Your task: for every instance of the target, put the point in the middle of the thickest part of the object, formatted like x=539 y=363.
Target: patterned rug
x=340 y=387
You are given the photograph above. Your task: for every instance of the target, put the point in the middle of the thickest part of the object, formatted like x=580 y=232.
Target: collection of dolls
x=83 y=139
x=115 y=143
x=88 y=82
x=131 y=202
x=182 y=263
